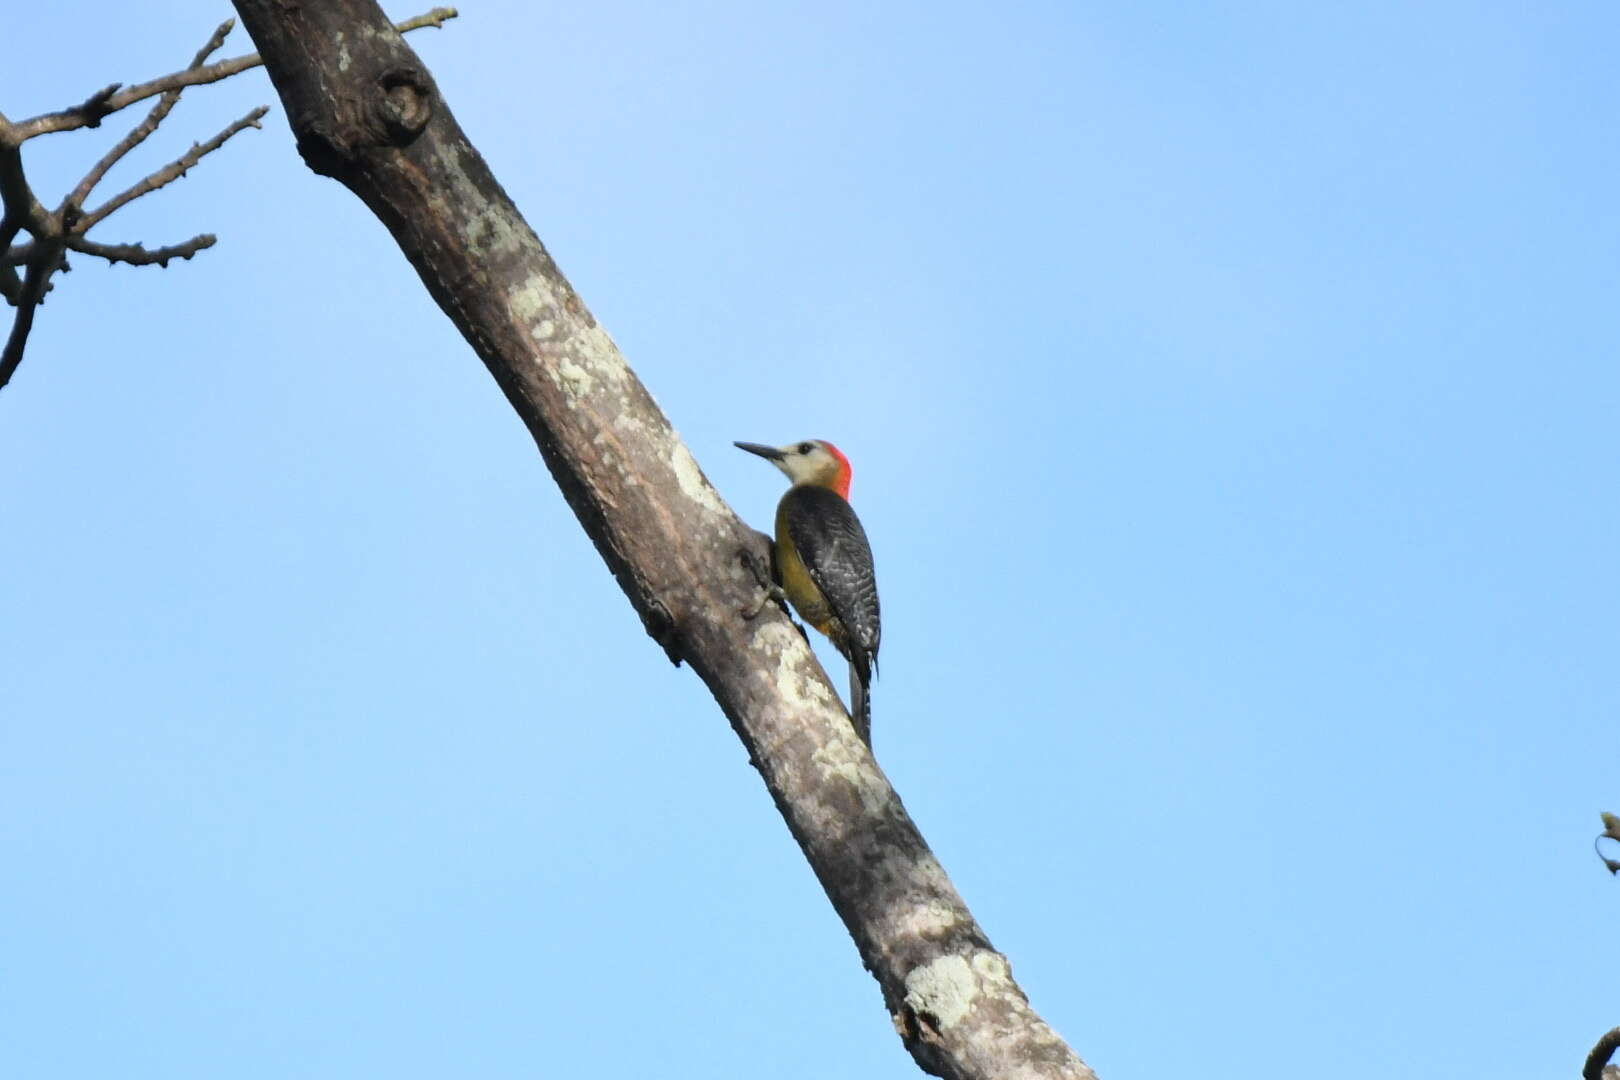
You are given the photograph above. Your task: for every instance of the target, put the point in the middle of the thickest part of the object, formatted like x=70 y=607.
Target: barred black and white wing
x=828 y=539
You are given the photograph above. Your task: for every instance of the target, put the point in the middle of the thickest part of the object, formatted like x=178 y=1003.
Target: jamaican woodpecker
x=824 y=563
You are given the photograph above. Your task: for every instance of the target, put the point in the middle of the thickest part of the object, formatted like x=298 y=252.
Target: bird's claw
x=769 y=590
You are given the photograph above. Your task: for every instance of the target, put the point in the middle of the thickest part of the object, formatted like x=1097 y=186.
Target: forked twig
x=139 y=133
x=52 y=234
x=104 y=102
x=170 y=172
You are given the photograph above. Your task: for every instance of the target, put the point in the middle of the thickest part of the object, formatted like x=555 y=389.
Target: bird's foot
x=769 y=590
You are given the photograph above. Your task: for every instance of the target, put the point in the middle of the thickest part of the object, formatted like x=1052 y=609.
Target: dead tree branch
x=136 y=255
x=133 y=254
x=105 y=102
x=366 y=111
x=1597 y=1062
x=172 y=171
x=44 y=261
x=139 y=133
x=54 y=233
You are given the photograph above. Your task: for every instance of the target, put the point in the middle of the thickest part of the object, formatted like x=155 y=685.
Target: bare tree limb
x=170 y=172
x=103 y=103
x=366 y=111
x=136 y=255
x=133 y=254
x=139 y=133
x=1600 y=1055
x=10 y=283
x=54 y=233
x=46 y=258
x=22 y=209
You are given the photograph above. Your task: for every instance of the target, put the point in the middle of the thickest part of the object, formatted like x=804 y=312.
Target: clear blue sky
x=1232 y=391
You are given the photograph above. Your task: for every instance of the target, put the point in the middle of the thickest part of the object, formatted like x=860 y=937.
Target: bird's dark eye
x=805 y=448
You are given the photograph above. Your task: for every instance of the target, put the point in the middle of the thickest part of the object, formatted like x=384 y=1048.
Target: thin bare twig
x=137 y=255
x=133 y=254
x=93 y=108
x=54 y=234
x=170 y=172
x=139 y=133
x=99 y=105
x=435 y=18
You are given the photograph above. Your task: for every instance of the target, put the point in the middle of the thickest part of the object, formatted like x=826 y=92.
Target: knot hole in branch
x=406 y=104
x=663 y=627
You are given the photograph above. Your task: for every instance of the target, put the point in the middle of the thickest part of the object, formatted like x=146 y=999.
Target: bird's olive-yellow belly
x=801 y=591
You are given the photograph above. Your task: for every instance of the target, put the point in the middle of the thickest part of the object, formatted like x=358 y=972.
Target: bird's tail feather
x=860 y=705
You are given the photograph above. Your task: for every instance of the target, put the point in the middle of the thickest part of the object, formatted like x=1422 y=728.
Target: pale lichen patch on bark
x=628 y=424
x=773 y=637
x=694 y=485
x=449 y=155
x=489 y=231
x=487 y=228
x=572 y=379
x=992 y=967
x=532 y=299
x=799 y=689
x=934 y=919
x=943 y=990
x=841 y=759
x=607 y=363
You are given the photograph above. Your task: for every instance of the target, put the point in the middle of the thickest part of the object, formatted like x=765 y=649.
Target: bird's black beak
x=769 y=453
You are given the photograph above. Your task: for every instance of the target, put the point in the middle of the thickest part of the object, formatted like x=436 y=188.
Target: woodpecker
x=824 y=563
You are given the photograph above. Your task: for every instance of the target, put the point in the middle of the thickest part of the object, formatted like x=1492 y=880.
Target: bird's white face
x=808 y=462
